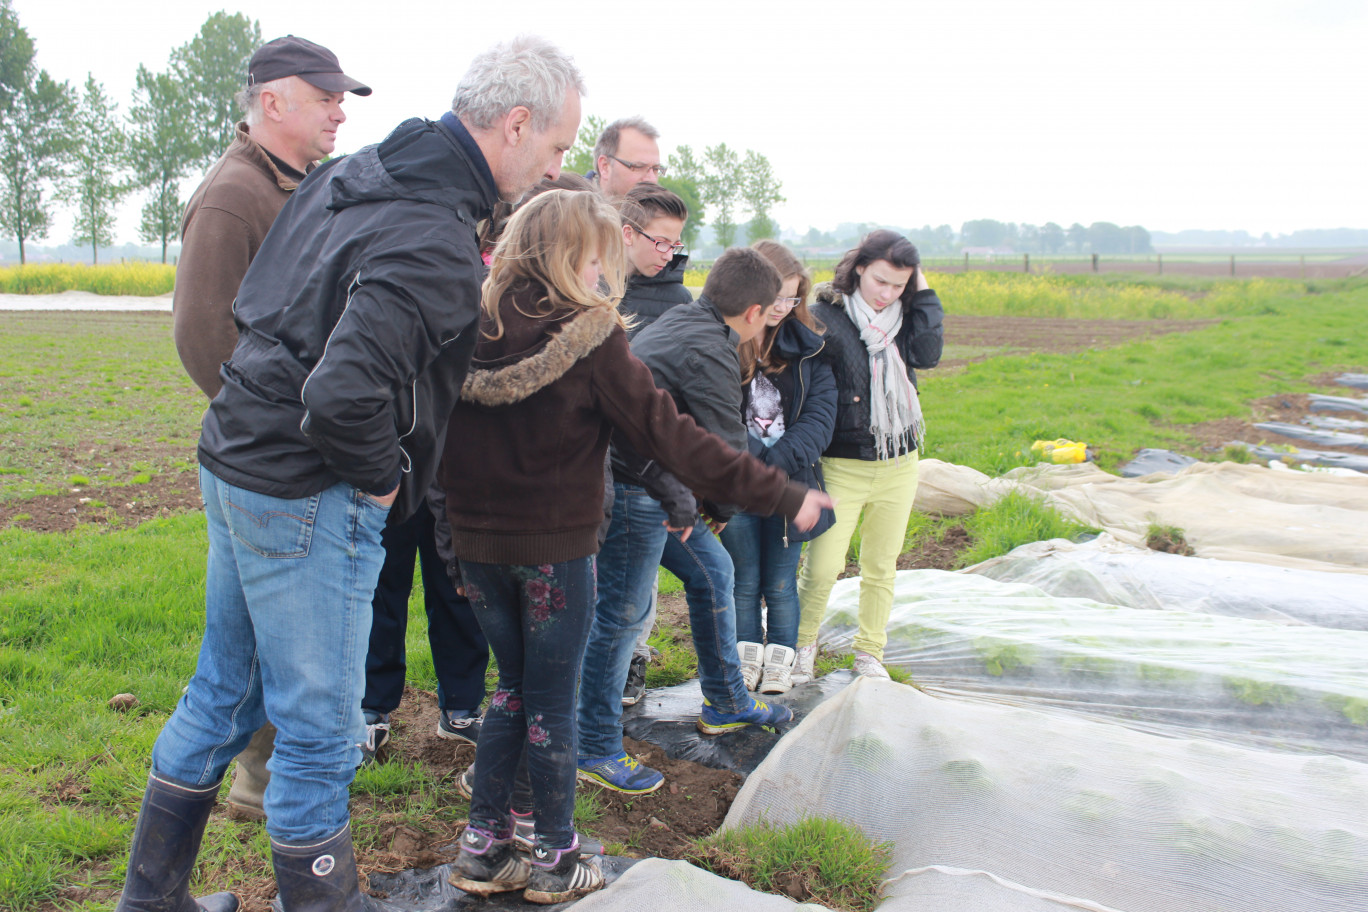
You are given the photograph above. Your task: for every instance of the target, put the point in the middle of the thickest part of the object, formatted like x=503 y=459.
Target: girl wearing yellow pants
x=883 y=321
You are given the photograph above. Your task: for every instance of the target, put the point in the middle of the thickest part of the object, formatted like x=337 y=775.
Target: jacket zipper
x=801 y=399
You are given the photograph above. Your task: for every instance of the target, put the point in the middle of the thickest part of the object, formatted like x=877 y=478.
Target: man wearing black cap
x=293 y=106
x=357 y=321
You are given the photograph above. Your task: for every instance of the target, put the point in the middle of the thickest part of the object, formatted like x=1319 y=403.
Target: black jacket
x=356 y=323
x=807 y=389
x=919 y=342
x=648 y=297
x=691 y=352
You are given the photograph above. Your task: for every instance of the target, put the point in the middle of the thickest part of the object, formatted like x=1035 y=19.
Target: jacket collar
x=512 y=383
x=256 y=153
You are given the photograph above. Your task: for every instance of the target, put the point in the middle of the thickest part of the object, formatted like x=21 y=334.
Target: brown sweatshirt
x=225 y=222
x=523 y=464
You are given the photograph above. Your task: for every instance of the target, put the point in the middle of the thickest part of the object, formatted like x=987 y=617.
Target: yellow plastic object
x=1061 y=450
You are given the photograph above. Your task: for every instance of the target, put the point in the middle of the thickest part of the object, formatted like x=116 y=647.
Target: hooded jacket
x=356 y=323
x=523 y=467
x=919 y=343
x=648 y=297
x=807 y=390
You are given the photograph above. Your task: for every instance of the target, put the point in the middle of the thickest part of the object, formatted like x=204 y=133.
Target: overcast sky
x=1171 y=115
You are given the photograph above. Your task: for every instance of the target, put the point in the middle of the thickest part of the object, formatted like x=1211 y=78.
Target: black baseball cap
x=313 y=63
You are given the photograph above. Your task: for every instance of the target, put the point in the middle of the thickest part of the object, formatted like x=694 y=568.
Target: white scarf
x=894 y=409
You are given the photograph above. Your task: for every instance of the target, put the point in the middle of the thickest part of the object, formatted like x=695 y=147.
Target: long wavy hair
x=545 y=245
x=758 y=353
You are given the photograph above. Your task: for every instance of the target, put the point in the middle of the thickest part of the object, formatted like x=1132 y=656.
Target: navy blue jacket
x=807 y=389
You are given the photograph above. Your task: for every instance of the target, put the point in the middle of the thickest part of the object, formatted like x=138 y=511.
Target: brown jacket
x=523 y=465
x=225 y=222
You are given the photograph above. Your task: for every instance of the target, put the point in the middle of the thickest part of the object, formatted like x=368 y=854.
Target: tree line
x=60 y=144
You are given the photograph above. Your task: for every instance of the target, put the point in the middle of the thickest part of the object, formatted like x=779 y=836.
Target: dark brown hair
x=757 y=352
x=739 y=279
x=877 y=245
x=647 y=201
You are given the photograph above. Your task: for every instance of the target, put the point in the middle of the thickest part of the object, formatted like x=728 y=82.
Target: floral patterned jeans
x=537 y=621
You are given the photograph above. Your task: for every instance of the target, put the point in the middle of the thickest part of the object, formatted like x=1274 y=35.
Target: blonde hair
x=546 y=244
x=756 y=352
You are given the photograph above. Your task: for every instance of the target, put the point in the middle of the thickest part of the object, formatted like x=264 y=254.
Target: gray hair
x=248 y=98
x=527 y=71
x=611 y=136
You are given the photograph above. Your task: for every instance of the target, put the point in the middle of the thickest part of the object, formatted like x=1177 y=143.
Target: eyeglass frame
x=670 y=248
x=789 y=303
x=659 y=169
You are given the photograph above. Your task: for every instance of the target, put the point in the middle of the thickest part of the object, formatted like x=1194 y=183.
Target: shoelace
x=629 y=761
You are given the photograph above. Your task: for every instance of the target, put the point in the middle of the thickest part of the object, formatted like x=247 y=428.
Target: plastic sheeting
x=1148 y=461
x=1106 y=570
x=992 y=807
x=1358 y=381
x=427 y=890
x=1244 y=681
x=1317 y=436
x=1327 y=458
x=1320 y=403
x=1226 y=511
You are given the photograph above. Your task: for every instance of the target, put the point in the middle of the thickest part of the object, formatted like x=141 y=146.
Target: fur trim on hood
x=825 y=294
x=515 y=382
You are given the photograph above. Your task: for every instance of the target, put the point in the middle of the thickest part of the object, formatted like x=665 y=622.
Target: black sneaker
x=458 y=725
x=560 y=875
x=377 y=734
x=488 y=865
x=636 y=681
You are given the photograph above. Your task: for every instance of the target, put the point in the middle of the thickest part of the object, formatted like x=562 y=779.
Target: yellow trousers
x=883 y=491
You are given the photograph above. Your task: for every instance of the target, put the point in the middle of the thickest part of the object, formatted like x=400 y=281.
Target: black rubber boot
x=166 y=842
x=320 y=877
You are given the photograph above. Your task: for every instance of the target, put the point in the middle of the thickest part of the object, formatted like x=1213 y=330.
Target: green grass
x=1016 y=519
x=987 y=414
x=818 y=860
x=91 y=396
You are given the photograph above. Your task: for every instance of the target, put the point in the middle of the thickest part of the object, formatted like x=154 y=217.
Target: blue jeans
x=637 y=545
x=287 y=620
x=765 y=565
x=460 y=653
x=537 y=619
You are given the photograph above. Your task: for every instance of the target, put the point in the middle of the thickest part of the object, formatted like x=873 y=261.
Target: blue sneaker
x=621 y=774
x=714 y=722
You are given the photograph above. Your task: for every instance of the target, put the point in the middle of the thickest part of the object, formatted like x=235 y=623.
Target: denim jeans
x=460 y=653
x=287 y=619
x=627 y=567
x=766 y=564
x=537 y=619
x=637 y=544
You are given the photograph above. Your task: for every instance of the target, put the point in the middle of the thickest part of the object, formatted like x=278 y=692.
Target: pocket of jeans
x=272 y=526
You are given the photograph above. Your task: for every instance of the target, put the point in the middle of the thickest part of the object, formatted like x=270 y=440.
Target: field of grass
x=134 y=278
x=89 y=614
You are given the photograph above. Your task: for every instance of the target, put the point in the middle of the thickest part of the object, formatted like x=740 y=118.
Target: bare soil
x=997 y=335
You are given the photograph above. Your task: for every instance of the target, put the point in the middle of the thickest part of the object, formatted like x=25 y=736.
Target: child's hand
x=813 y=504
x=683 y=531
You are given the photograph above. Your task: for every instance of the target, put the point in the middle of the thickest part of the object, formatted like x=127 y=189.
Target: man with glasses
x=625 y=155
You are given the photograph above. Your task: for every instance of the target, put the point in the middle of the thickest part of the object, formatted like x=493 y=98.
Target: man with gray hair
x=625 y=155
x=357 y=321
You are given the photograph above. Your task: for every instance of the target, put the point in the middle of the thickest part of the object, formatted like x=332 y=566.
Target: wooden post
x=966 y=261
x=1026 y=262
x=1232 y=264
x=1161 y=264
x=1094 y=262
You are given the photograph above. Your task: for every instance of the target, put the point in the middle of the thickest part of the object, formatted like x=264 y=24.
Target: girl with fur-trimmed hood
x=551 y=379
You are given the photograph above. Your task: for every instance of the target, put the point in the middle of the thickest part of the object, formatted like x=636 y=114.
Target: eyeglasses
x=786 y=303
x=658 y=170
x=661 y=244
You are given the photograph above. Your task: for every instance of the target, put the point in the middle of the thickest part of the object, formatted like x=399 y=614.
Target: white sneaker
x=866 y=666
x=778 y=676
x=803 y=663
x=752 y=656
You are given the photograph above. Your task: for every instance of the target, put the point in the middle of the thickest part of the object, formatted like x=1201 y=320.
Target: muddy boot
x=166 y=842
x=488 y=864
x=320 y=877
x=249 y=781
x=560 y=875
